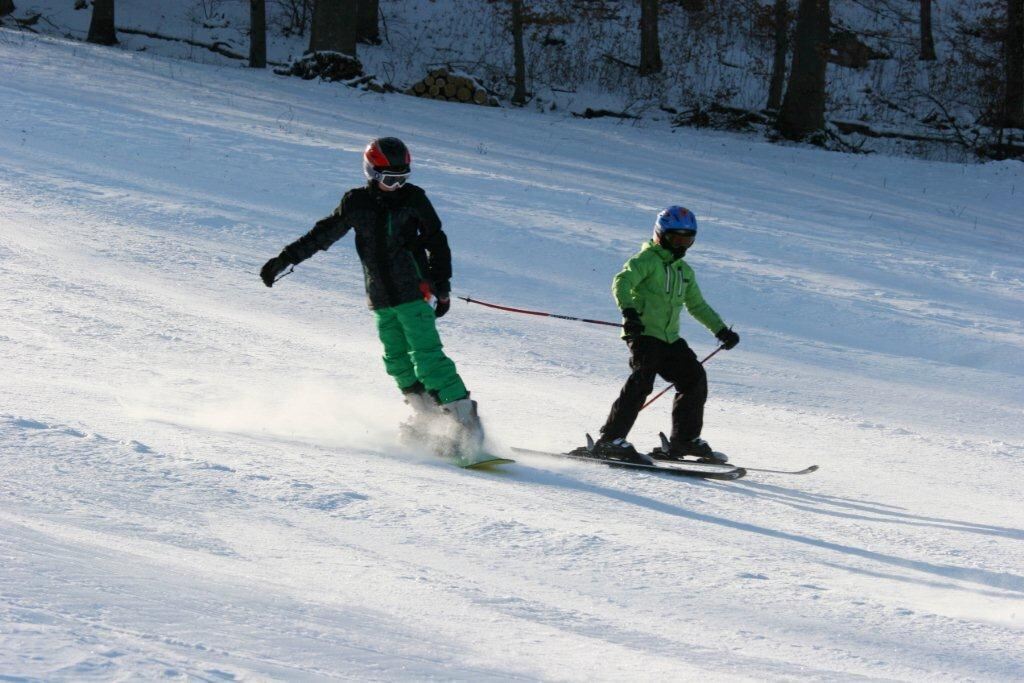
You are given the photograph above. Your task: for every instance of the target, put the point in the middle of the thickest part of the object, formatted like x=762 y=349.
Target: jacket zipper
x=382 y=262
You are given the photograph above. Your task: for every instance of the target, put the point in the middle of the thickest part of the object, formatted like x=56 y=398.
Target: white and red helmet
x=387 y=161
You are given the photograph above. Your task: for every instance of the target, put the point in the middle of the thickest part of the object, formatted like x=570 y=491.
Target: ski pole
x=285 y=275
x=670 y=385
x=541 y=313
x=582 y=320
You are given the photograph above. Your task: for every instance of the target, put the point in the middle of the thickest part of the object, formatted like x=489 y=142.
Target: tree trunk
x=519 y=96
x=1013 y=49
x=368 y=30
x=6 y=7
x=803 y=108
x=334 y=26
x=927 y=41
x=101 y=27
x=781 y=50
x=650 y=51
x=258 y=34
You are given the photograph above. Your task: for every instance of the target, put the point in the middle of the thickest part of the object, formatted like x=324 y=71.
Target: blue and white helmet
x=675 y=218
x=675 y=229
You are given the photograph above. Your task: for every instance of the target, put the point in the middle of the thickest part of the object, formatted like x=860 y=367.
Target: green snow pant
x=412 y=350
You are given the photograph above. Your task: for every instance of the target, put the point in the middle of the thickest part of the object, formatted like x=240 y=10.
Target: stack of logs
x=442 y=85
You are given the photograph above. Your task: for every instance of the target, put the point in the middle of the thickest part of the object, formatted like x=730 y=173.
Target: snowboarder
x=407 y=271
x=651 y=290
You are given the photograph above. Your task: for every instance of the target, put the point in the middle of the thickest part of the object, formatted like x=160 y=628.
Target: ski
x=721 y=457
x=700 y=470
x=806 y=470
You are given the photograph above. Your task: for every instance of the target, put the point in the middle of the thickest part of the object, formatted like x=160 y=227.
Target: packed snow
x=199 y=476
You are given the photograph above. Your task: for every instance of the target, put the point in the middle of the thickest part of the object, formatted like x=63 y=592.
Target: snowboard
x=482 y=461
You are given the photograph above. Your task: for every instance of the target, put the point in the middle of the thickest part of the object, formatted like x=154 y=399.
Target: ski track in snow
x=198 y=476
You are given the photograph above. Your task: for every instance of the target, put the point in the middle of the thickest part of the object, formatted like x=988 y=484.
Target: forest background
x=930 y=78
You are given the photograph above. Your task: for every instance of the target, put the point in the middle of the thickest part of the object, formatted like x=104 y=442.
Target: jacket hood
x=662 y=253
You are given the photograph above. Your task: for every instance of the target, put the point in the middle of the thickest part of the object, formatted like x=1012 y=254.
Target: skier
x=407 y=269
x=651 y=290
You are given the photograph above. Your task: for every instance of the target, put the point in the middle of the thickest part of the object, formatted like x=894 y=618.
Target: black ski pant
x=675 y=362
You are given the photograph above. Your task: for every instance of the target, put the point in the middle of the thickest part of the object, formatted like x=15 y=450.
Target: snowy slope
x=198 y=475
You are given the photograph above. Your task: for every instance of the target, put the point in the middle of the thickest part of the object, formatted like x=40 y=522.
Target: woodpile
x=334 y=67
x=327 y=66
x=441 y=84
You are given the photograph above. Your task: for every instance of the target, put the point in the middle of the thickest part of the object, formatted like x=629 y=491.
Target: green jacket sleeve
x=633 y=273
x=700 y=309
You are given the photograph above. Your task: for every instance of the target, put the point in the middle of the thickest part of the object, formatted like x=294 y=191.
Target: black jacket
x=398 y=238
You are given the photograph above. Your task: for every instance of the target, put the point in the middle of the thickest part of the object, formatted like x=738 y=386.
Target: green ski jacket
x=658 y=285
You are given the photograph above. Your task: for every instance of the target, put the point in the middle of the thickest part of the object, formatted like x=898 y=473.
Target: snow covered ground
x=198 y=475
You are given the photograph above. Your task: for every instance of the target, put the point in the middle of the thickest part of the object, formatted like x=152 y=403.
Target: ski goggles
x=386 y=178
x=391 y=179
x=678 y=239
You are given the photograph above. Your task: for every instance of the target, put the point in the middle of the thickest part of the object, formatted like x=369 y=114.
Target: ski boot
x=694 y=448
x=469 y=433
x=614 y=449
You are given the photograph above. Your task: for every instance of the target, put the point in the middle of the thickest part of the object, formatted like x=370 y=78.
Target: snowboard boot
x=469 y=434
x=425 y=410
x=616 y=449
x=694 y=448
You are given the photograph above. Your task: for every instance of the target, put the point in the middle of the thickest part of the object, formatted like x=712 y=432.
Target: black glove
x=631 y=323
x=728 y=338
x=272 y=268
x=442 y=305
